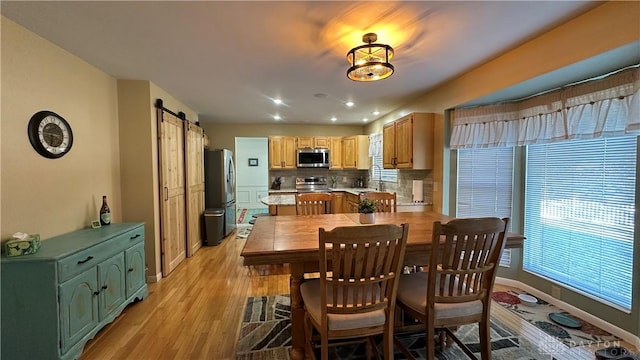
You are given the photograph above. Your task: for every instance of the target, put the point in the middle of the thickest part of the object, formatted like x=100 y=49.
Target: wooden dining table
x=293 y=240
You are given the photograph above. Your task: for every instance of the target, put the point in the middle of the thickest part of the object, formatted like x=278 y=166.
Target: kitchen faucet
x=380 y=183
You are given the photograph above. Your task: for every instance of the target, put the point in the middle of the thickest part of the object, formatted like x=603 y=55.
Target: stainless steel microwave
x=313 y=158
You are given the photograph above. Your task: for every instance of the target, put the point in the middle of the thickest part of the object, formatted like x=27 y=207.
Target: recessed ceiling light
x=376 y=113
x=277 y=117
x=277 y=101
x=320 y=95
x=333 y=118
x=365 y=120
x=349 y=103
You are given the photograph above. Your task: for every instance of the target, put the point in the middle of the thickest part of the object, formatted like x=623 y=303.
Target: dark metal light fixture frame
x=370 y=62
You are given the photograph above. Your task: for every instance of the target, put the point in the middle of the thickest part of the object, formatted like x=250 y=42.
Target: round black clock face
x=50 y=134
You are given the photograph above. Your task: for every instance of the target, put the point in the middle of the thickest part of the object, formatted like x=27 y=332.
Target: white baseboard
x=154 y=279
x=621 y=333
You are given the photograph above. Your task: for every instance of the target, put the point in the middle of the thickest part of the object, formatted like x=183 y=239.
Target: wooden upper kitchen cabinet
x=355 y=152
x=282 y=152
x=335 y=152
x=313 y=142
x=407 y=143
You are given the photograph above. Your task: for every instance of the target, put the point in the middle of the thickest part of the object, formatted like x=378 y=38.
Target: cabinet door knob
x=130 y=269
x=85 y=260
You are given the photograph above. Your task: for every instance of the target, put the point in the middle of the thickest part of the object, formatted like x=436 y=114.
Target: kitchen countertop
x=287 y=198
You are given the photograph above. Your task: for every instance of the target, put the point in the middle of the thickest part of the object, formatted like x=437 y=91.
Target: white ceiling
x=227 y=59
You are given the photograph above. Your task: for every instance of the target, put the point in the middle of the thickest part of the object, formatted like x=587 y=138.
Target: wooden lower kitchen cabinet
x=338 y=202
x=351 y=203
x=57 y=299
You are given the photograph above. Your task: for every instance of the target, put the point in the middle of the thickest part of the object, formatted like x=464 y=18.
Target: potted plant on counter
x=367 y=209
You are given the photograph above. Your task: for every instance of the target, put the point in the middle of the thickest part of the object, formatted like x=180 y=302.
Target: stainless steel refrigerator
x=220 y=185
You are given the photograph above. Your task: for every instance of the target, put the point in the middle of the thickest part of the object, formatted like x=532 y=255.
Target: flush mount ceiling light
x=370 y=62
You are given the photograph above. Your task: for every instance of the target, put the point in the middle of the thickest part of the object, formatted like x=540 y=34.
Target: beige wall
x=113 y=153
x=139 y=159
x=222 y=136
x=607 y=27
x=55 y=196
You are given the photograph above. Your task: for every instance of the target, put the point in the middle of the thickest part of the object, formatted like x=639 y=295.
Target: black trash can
x=214 y=226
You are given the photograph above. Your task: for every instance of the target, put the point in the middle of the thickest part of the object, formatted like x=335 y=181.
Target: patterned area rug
x=266 y=334
x=243 y=216
x=538 y=315
x=243 y=231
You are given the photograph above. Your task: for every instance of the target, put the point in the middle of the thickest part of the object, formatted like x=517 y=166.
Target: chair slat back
x=359 y=267
x=465 y=254
x=314 y=203
x=386 y=202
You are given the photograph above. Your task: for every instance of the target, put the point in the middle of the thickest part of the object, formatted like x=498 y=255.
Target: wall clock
x=50 y=134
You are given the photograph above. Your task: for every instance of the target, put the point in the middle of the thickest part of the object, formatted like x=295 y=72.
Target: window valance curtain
x=607 y=106
x=375 y=144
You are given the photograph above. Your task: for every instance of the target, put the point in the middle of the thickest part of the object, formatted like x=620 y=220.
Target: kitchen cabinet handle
x=104 y=287
x=85 y=260
x=96 y=293
x=135 y=237
x=130 y=270
x=166 y=193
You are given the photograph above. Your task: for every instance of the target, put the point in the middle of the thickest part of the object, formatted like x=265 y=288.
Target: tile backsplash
x=346 y=178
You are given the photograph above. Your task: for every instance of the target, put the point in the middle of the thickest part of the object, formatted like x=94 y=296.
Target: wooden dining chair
x=385 y=201
x=456 y=287
x=355 y=294
x=314 y=203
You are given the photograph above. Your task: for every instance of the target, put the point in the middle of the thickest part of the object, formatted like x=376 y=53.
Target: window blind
x=485 y=178
x=579 y=215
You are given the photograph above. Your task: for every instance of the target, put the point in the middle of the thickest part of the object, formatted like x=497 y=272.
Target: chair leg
x=462 y=346
x=387 y=340
x=308 y=332
x=403 y=348
x=484 y=329
x=324 y=347
x=429 y=343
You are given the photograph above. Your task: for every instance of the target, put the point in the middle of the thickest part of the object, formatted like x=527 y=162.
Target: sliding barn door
x=194 y=171
x=172 y=185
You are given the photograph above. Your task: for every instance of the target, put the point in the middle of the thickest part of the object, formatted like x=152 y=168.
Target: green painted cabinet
x=78 y=308
x=56 y=300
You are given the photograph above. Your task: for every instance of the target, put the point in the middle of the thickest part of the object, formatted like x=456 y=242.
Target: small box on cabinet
x=17 y=247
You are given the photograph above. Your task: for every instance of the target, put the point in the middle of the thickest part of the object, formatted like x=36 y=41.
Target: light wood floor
x=195 y=312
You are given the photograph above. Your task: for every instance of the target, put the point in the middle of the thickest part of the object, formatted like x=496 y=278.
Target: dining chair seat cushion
x=412 y=290
x=310 y=291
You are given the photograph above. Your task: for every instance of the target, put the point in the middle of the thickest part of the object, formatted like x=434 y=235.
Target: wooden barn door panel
x=194 y=171
x=172 y=181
